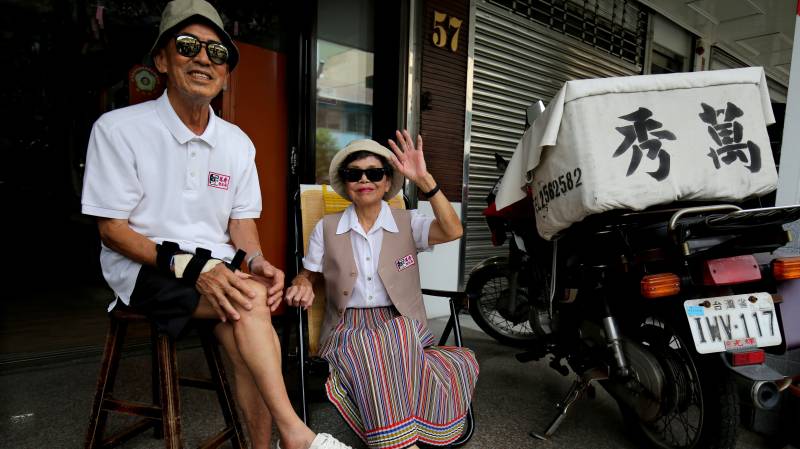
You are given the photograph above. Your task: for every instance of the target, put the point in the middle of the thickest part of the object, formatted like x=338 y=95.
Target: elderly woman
x=386 y=379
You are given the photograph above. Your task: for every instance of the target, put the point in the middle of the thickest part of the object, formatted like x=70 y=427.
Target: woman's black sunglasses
x=373 y=174
x=189 y=46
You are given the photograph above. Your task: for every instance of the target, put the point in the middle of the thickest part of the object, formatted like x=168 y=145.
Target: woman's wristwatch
x=431 y=192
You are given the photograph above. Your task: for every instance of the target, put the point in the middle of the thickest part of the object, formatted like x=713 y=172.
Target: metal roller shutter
x=516 y=61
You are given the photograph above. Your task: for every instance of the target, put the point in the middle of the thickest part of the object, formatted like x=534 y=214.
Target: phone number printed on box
x=557 y=188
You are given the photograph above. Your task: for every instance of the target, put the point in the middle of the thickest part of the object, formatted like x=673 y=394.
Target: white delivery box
x=639 y=141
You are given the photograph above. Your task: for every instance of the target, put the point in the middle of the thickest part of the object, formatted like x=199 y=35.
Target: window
x=666 y=61
x=345 y=70
x=672 y=48
x=618 y=27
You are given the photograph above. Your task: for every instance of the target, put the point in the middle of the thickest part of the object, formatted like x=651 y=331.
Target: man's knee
x=259 y=309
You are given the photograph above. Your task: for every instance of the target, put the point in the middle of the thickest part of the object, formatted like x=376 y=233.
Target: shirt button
x=193 y=154
x=191 y=174
x=344 y=293
x=370 y=297
x=369 y=278
x=352 y=274
x=368 y=258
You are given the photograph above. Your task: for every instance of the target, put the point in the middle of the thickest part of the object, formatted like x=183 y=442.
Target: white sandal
x=325 y=441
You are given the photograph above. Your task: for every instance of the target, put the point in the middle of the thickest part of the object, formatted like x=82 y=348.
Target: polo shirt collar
x=349 y=220
x=179 y=130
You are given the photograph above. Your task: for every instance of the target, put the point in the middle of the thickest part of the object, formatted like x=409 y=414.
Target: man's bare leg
x=256 y=414
x=258 y=346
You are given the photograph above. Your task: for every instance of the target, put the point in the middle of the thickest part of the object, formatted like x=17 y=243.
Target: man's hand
x=271 y=277
x=300 y=293
x=224 y=288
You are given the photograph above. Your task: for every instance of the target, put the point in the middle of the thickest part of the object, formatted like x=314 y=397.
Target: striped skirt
x=391 y=385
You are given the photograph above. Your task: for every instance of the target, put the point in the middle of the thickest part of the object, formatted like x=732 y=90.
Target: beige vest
x=398 y=268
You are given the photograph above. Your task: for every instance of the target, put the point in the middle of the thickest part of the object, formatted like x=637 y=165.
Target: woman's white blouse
x=368 y=290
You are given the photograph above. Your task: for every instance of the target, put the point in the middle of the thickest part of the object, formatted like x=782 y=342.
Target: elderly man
x=175 y=192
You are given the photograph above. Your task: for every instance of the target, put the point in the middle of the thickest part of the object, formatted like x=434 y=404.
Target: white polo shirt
x=143 y=164
x=368 y=290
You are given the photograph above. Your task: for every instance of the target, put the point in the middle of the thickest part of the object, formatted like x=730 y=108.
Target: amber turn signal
x=660 y=285
x=786 y=268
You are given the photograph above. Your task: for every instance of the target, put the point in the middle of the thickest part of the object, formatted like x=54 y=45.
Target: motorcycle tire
x=484 y=288
x=698 y=390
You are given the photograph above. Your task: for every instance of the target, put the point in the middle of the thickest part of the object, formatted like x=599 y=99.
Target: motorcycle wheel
x=485 y=289
x=699 y=405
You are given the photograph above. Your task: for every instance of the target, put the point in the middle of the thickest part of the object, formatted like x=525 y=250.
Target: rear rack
x=673 y=221
x=699 y=229
x=750 y=217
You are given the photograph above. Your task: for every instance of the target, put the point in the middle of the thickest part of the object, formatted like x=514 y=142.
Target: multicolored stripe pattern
x=391 y=385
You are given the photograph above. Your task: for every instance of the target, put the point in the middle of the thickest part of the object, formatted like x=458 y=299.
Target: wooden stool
x=163 y=415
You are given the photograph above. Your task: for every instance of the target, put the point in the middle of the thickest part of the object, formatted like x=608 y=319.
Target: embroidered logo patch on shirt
x=405 y=262
x=218 y=180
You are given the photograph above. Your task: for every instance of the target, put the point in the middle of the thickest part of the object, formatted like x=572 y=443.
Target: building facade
x=314 y=75
x=520 y=51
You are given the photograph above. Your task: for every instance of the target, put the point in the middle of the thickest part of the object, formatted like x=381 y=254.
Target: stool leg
x=302 y=355
x=286 y=333
x=217 y=370
x=158 y=430
x=170 y=399
x=105 y=382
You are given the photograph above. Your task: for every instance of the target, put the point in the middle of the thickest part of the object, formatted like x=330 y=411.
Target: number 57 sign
x=440 y=33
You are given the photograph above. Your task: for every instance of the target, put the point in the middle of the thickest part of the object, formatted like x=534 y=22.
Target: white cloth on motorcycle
x=639 y=141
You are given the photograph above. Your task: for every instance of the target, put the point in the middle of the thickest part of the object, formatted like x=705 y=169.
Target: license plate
x=733 y=322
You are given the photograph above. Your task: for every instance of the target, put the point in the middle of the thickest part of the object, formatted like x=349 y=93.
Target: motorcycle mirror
x=500 y=162
x=533 y=112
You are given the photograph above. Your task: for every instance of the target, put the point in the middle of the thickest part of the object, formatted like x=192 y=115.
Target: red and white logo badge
x=405 y=262
x=218 y=180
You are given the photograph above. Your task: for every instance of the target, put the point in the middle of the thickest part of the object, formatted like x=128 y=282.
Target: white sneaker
x=325 y=441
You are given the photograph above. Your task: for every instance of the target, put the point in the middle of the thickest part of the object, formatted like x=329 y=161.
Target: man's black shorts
x=166 y=301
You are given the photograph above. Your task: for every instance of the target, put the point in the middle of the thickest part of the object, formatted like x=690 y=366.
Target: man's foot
x=322 y=441
x=326 y=441
x=298 y=438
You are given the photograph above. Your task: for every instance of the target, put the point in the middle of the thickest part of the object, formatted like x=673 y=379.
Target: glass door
x=344 y=78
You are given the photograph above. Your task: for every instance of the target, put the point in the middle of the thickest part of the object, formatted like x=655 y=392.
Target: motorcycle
x=499 y=288
x=502 y=288
x=671 y=311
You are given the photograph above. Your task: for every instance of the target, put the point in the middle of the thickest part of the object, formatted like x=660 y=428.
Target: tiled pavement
x=47 y=407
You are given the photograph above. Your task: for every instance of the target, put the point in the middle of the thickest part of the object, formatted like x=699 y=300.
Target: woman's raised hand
x=408 y=159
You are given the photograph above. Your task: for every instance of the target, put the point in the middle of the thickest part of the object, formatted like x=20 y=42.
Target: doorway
x=69 y=62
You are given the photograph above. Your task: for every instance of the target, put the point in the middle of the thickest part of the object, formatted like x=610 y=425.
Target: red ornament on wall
x=144 y=84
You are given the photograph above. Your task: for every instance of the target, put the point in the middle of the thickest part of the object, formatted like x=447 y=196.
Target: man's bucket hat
x=371 y=146
x=179 y=13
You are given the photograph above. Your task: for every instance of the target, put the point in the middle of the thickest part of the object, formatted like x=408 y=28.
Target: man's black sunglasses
x=373 y=174
x=189 y=46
